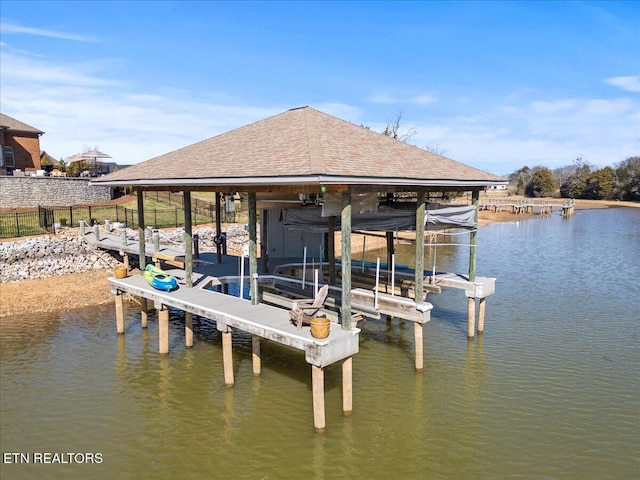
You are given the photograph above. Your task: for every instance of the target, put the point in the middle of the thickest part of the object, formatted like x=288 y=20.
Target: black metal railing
x=44 y=220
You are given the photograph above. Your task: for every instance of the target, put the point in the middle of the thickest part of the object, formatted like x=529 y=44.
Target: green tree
x=577 y=181
x=520 y=179
x=600 y=184
x=542 y=183
x=628 y=179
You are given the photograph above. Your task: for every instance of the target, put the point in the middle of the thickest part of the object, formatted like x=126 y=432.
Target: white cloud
x=554 y=106
x=19 y=68
x=79 y=105
x=344 y=111
x=383 y=99
x=422 y=99
x=630 y=84
x=543 y=132
x=88 y=104
x=19 y=29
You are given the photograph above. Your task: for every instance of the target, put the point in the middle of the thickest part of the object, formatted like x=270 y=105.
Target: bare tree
x=393 y=129
x=436 y=149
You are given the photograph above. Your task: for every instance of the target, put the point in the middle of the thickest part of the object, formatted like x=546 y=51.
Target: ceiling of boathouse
x=301 y=150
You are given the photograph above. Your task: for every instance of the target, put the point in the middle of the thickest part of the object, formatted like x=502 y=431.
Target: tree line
x=580 y=180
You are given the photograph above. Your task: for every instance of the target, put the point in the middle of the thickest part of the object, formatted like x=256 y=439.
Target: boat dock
x=259 y=320
x=266 y=315
x=392 y=286
x=543 y=207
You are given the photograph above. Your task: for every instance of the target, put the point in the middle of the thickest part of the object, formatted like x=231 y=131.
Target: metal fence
x=43 y=220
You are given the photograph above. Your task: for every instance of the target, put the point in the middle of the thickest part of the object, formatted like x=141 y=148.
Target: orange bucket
x=120 y=272
x=320 y=327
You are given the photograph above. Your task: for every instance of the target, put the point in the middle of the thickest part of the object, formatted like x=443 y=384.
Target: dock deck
x=260 y=321
x=266 y=321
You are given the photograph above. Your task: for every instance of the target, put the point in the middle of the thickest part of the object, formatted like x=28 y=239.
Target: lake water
x=550 y=391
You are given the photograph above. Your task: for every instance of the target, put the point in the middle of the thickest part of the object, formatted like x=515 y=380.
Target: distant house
x=46 y=159
x=20 y=146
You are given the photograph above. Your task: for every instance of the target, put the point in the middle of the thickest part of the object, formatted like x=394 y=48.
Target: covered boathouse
x=313 y=174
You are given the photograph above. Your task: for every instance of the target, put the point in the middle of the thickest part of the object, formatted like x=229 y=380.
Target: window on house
x=8 y=157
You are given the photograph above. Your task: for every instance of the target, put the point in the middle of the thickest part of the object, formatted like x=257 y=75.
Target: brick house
x=20 y=146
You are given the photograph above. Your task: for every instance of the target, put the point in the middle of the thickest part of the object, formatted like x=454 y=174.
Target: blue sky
x=494 y=84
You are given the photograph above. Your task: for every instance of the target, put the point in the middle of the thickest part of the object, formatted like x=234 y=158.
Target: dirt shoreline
x=68 y=292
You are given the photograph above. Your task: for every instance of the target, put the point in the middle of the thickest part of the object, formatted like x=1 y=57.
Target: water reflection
x=548 y=391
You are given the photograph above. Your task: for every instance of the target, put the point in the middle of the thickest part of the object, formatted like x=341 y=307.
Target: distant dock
x=542 y=207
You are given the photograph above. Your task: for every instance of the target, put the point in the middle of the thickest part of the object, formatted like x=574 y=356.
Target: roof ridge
x=14 y=124
x=316 y=157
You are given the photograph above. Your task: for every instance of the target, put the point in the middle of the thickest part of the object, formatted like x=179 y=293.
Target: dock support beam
x=163 y=329
x=188 y=329
x=417 y=333
x=264 y=246
x=419 y=271
x=219 y=227
x=188 y=240
x=119 y=313
x=471 y=317
x=142 y=260
x=390 y=252
x=253 y=249
x=473 y=240
x=227 y=357
x=331 y=250
x=481 y=308
x=255 y=355
x=346 y=262
x=317 y=387
x=347 y=386
x=144 y=312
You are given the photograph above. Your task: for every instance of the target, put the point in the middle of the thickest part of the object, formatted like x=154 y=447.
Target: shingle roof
x=301 y=146
x=11 y=123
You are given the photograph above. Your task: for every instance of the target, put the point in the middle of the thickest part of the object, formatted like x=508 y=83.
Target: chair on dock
x=303 y=311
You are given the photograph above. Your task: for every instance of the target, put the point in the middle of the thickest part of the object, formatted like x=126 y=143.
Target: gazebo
x=305 y=152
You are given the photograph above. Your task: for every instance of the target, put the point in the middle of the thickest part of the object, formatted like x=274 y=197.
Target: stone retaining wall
x=18 y=192
x=43 y=257
x=49 y=256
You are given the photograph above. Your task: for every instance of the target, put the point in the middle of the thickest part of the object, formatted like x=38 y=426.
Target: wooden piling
x=255 y=355
x=481 y=309
x=390 y=252
x=188 y=329
x=219 y=227
x=253 y=248
x=347 y=386
x=119 y=313
x=142 y=257
x=188 y=240
x=144 y=312
x=419 y=270
x=227 y=357
x=163 y=329
x=317 y=387
x=419 y=346
x=264 y=247
x=345 y=219
x=331 y=250
x=475 y=196
x=471 y=317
